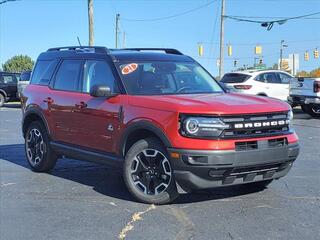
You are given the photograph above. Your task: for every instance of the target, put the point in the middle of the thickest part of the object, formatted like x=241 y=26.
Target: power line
x=269 y=24
x=260 y=43
x=170 y=16
x=4 y=1
x=275 y=17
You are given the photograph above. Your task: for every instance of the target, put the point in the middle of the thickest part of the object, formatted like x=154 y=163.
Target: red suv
x=159 y=116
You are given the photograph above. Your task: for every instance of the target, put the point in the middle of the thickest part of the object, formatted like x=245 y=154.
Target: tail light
x=316 y=86
x=243 y=87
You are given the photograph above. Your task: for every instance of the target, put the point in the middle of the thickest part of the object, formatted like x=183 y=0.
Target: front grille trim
x=250 y=132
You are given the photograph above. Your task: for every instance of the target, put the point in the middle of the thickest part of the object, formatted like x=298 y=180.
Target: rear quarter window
x=235 y=78
x=43 y=71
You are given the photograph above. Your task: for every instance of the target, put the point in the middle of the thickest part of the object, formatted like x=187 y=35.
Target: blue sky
x=32 y=26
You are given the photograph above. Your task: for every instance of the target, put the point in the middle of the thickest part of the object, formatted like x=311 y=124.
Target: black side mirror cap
x=101 y=91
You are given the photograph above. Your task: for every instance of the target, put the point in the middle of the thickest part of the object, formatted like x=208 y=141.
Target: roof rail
x=166 y=50
x=97 y=49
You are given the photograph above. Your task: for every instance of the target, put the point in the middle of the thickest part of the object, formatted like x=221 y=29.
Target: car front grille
x=247 y=126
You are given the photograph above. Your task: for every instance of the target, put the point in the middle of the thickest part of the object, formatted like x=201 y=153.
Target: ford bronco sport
x=159 y=116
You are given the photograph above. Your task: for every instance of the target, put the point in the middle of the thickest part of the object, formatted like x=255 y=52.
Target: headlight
x=202 y=126
x=290 y=115
x=289 y=118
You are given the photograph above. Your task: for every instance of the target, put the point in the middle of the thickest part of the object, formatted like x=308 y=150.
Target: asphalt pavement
x=80 y=200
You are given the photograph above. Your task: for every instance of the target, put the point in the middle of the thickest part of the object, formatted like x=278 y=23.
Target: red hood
x=228 y=103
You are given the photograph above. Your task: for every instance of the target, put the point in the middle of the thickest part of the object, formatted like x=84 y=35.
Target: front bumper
x=197 y=169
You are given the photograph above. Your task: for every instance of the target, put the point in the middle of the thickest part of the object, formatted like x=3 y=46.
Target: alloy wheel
x=35 y=147
x=151 y=172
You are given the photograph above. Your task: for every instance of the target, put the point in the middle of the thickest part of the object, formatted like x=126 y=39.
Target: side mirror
x=101 y=91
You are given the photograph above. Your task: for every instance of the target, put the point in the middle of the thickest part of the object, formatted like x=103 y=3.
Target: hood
x=221 y=104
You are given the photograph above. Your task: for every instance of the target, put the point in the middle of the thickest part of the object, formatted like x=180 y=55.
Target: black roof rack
x=84 y=48
x=166 y=50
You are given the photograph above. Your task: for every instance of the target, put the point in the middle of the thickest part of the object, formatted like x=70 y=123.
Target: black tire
x=148 y=174
x=2 y=100
x=259 y=185
x=312 y=109
x=40 y=156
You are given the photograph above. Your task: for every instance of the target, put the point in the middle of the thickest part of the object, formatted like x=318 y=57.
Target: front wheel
x=312 y=109
x=148 y=173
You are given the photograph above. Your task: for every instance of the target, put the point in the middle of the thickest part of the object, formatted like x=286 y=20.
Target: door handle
x=81 y=105
x=48 y=100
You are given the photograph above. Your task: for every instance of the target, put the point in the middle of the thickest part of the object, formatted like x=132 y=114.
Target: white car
x=23 y=82
x=270 y=83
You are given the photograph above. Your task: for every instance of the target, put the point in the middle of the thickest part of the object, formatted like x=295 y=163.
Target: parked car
x=158 y=116
x=23 y=82
x=305 y=92
x=8 y=87
x=270 y=83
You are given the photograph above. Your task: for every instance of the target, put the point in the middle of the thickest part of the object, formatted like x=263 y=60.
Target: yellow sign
x=200 y=50
x=229 y=50
x=258 y=50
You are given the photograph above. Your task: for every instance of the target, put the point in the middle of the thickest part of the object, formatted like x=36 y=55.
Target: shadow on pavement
x=109 y=181
x=299 y=114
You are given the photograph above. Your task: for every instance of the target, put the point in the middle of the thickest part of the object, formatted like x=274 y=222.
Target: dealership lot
x=80 y=200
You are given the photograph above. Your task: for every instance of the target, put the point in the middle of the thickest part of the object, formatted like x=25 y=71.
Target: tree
x=315 y=73
x=18 y=63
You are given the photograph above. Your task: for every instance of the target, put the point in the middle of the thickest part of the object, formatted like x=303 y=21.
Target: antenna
x=79 y=41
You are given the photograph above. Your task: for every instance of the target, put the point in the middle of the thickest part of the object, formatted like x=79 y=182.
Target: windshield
x=164 y=78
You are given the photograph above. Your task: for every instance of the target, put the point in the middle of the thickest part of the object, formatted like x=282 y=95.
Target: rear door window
x=43 y=71
x=235 y=78
x=268 y=78
x=68 y=74
x=8 y=79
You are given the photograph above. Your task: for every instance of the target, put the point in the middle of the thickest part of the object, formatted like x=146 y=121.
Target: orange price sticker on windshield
x=127 y=69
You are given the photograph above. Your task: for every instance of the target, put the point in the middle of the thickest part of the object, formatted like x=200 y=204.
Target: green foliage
x=18 y=63
x=313 y=73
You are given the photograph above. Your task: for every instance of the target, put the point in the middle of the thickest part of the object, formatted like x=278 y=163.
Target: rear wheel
x=312 y=109
x=2 y=100
x=148 y=174
x=40 y=156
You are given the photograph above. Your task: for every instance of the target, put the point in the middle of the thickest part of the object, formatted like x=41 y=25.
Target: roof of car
x=129 y=55
x=256 y=72
x=133 y=54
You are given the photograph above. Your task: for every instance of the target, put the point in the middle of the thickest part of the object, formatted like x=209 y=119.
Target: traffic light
x=200 y=50
x=258 y=50
x=316 y=54
x=229 y=50
x=260 y=61
x=306 y=56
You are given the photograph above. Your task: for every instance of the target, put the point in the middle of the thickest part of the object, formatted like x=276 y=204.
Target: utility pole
x=221 y=59
x=124 y=40
x=117 y=29
x=282 y=45
x=281 y=52
x=91 y=26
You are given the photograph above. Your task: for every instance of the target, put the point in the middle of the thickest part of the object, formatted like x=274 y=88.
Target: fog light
x=216 y=173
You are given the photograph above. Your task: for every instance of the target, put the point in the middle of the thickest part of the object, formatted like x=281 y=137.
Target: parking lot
x=80 y=200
